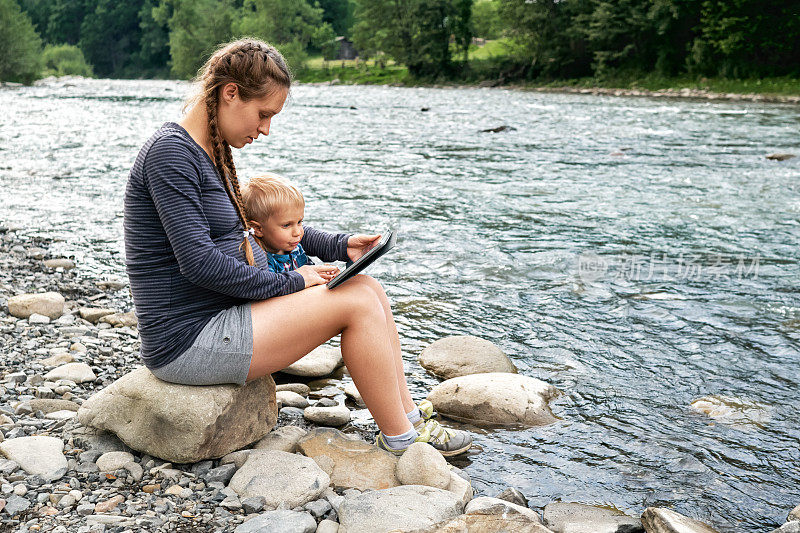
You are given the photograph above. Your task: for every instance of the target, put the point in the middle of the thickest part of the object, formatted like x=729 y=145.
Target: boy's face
x=281 y=232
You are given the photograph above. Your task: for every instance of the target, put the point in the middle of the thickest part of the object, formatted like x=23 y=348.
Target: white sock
x=414 y=416
x=404 y=440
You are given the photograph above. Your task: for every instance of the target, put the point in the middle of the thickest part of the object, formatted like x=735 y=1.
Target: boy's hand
x=358 y=245
x=317 y=274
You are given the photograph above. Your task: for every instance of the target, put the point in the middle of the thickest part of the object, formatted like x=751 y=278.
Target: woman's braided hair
x=257 y=69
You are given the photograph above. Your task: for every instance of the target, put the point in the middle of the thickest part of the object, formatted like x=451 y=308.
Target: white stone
x=660 y=520
x=563 y=517
x=422 y=464
x=283 y=521
x=280 y=477
x=462 y=355
x=37 y=455
x=320 y=362
x=487 y=505
x=351 y=390
x=291 y=399
x=64 y=263
x=283 y=439
x=49 y=304
x=495 y=399
x=300 y=388
x=93 y=314
x=731 y=410
x=77 y=372
x=111 y=461
x=328 y=416
x=404 y=508
x=63 y=414
x=120 y=319
x=182 y=423
x=38 y=319
x=328 y=526
x=461 y=488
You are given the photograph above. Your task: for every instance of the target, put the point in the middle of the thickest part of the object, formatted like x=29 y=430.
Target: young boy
x=275 y=209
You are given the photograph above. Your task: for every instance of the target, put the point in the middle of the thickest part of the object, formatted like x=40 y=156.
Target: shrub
x=65 y=60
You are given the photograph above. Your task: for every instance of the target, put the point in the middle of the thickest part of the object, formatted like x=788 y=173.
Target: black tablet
x=384 y=245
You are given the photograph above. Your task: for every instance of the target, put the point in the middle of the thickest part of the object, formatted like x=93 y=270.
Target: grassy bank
x=485 y=70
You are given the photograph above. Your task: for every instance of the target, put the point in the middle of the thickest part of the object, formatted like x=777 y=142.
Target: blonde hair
x=257 y=69
x=265 y=195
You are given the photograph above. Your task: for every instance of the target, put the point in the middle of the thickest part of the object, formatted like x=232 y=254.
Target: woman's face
x=240 y=122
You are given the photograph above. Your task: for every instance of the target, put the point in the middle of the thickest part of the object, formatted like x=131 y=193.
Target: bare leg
x=405 y=395
x=288 y=327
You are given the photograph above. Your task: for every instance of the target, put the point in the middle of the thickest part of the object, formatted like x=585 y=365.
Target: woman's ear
x=257 y=230
x=230 y=91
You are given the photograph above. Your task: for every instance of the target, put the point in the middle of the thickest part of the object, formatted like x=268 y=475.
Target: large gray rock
x=398 y=509
x=577 y=518
x=37 y=455
x=77 y=372
x=356 y=464
x=495 y=399
x=283 y=521
x=495 y=506
x=788 y=527
x=182 y=423
x=422 y=464
x=49 y=304
x=280 y=477
x=462 y=355
x=488 y=523
x=660 y=520
x=794 y=514
x=321 y=361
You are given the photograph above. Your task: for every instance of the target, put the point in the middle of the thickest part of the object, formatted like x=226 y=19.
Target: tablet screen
x=385 y=244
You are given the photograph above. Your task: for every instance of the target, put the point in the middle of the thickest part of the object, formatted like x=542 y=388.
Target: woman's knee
x=362 y=296
x=370 y=282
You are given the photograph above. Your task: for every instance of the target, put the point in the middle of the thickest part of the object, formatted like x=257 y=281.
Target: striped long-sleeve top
x=182 y=240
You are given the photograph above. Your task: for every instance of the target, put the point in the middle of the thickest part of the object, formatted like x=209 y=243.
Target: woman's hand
x=358 y=245
x=317 y=274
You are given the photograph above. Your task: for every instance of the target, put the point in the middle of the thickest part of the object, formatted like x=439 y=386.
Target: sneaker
x=448 y=442
x=426 y=408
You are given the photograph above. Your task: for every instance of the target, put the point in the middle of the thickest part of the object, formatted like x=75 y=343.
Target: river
x=637 y=253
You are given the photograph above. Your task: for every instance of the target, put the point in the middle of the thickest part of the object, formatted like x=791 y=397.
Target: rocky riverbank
x=61 y=475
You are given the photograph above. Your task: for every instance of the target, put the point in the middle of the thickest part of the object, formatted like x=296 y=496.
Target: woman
x=208 y=310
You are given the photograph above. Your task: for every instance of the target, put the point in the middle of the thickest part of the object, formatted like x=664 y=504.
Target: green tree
x=742 y=38
x=486 y=19
x=21 y=45
x=196 y=28
x=152 y=56
x=339 y=14
x=547 y=38
x=283 y=21
x=415 y=33
x=65 y=20
x=110 y=35
x=65 y=60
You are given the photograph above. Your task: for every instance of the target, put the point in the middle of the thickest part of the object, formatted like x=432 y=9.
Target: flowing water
x=639 y=254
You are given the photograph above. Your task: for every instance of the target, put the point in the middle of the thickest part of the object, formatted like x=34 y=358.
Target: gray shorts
x=220 y=354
